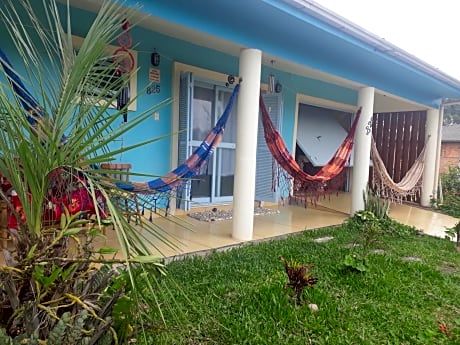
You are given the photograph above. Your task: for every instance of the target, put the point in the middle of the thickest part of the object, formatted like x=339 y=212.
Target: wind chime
x=124 y=60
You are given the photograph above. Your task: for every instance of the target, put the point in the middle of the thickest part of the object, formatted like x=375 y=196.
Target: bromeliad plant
x=299 y=276
x=375 y=204
x=56 y=287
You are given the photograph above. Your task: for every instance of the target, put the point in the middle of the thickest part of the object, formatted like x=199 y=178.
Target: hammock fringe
x=410 y=186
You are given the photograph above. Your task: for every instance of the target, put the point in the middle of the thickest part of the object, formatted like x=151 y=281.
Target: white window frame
x=201 y=73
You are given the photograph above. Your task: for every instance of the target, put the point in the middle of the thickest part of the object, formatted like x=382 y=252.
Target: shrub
x=54 y=286
x=451 y=192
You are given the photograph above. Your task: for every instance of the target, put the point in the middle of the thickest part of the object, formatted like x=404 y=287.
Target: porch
x=198 y=237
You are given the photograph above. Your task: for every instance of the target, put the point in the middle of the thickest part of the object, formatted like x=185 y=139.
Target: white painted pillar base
x=362 y=149
x=246 y=144
x=429 y=171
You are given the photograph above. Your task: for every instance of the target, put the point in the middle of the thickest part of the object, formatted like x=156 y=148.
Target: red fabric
x=327 y=180
x=16 y=204
x=79 y=200
x=284 y=158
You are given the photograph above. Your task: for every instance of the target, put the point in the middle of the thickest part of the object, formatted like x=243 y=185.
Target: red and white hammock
x=310 y=186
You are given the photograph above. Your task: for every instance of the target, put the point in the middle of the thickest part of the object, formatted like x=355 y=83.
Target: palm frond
x=75 y=91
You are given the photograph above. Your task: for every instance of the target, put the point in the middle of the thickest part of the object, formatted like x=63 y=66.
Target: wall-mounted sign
x=153 y=88
x=154 y=75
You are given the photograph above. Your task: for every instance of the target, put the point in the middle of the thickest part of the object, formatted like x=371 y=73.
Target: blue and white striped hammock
x=183 y=173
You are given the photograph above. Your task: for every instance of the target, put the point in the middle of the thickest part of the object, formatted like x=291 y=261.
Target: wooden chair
x=126 y=201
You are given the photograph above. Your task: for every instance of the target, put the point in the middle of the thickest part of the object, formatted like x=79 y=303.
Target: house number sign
x=154 y=78
x=153 y=88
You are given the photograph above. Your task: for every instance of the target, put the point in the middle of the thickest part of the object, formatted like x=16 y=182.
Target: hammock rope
x=409 y=186
x=317 y=184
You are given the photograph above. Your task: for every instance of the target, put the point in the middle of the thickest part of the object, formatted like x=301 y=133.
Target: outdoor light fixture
x=278 y=87
x=231 y=79
x=155 y=59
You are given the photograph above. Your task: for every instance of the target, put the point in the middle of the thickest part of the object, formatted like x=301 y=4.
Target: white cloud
x=426 y=29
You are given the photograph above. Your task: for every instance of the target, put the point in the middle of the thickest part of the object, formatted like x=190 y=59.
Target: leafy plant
x=299 y=277
x=451 y=192
x=368 y=226
x=454 y=232
x=52 y=281
x=391 y=227
x=373 y=203
x=451 y=179
x=355 y=261
x=54 y=286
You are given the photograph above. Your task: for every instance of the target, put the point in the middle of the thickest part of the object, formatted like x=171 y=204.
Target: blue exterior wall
x=288 y=31
x=172 y=50
x=155 y=159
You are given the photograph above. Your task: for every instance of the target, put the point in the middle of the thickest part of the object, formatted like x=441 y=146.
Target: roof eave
x=379 y=44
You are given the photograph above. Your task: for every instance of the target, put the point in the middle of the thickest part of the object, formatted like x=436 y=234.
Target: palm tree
x=55 y=283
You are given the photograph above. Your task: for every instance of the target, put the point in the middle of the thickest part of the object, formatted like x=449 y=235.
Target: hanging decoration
x=124 y=60
x=271 y=83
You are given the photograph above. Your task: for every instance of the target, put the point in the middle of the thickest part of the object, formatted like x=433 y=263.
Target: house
x=450 y=147
x=318 y=69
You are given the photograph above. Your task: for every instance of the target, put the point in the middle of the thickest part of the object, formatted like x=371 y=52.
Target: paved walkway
x=197 y=236
x=187 y=235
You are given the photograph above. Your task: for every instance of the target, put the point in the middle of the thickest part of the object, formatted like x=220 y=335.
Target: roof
x=304 y=38
x=378 y=43
x=451 y=133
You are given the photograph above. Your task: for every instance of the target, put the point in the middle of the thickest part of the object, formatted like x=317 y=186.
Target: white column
x=362 y=149
x=429 y=171
x=438 y=155
x=246 y=144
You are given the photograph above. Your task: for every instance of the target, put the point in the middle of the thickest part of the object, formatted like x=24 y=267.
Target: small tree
x=369 y=229
x=451 y=192
x=56 y=286
x=369 y=223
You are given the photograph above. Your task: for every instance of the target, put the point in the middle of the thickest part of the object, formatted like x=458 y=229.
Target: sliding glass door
x=206 y=103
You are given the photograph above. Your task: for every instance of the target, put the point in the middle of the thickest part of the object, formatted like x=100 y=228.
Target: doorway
x=203 y=102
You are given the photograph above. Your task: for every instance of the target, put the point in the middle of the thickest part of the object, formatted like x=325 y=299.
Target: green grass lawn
x=240 y=296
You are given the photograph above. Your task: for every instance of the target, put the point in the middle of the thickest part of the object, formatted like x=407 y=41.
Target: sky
x=427 y=29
